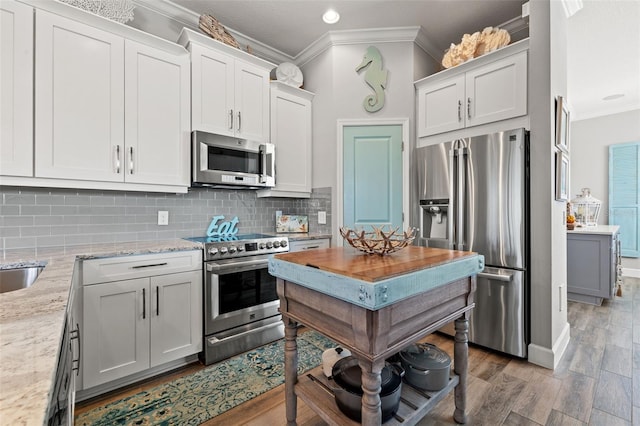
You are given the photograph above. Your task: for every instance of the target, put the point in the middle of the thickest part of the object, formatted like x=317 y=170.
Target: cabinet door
x=589 y=265
x=157 y=108
x=79 y=101
x=291 y=134
x=497 y=91
x=176 y=316
x=440 y=106
x=251 y=102
x=116 y=330
x=16 y=89
x=212 y=105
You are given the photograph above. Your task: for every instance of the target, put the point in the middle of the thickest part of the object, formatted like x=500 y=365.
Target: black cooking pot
x=348 y=376
x=427 y=366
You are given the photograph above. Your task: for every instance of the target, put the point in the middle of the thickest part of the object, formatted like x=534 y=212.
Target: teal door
x=372 y=174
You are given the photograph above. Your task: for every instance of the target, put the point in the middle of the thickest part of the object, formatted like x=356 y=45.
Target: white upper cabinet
x=440 y=106
x=485 y=90
x=229 y=89
x=291 y=129
x=16 y=89
x=157 y=129
x=111 y=105
x=79 y=100
x=497 y=91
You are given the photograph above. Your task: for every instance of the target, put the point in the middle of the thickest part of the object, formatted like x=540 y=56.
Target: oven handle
x=212 y=340
x=244 y=265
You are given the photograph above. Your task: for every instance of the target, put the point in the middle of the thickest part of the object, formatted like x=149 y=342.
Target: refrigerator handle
x=497 y=277
x=461 y=195
x=451 y=221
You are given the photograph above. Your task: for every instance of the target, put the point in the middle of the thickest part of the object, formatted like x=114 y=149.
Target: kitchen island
x=374 y=306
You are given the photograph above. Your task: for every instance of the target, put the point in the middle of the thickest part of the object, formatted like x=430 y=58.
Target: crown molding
x=171 y=10
x=362 y=36
x=190 y=19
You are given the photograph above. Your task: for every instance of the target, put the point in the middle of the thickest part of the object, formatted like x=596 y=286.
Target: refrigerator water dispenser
x=434 y=223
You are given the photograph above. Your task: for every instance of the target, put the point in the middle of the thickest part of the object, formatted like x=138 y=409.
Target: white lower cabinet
x=136 y=324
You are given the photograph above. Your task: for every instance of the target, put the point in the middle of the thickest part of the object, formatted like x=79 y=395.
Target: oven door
x=238 y=292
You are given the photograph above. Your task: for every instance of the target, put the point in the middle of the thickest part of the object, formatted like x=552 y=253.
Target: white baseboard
x=549 y=358
x=628 y=272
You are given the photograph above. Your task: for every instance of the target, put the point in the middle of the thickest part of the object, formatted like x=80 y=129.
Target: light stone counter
x=32 y=323
x=599 y=229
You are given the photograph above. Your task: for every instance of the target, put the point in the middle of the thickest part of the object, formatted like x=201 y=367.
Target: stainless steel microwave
x=227 y=162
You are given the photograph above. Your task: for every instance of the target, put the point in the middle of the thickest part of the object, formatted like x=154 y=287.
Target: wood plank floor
x=597 y=382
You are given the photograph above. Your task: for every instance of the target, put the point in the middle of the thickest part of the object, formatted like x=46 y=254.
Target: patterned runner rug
x=195 y=398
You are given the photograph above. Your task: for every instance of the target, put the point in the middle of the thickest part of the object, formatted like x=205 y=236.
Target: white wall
x=547 y=79
x=340 y=91
x=589 y=149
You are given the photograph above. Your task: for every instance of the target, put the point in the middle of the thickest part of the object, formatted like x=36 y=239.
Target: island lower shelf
x=314 y=389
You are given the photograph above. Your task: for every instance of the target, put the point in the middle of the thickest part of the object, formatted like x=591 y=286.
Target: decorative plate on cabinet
x=289 y=74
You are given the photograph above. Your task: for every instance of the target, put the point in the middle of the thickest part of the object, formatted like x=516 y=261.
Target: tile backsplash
x=41 y=218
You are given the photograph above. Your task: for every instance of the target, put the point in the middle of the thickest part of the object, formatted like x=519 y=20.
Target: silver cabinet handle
x=144 y=304
x=459 y=110
x=157 y=301
x=469 y=108
x=239 y=121
x=149 y=265
x=231 y=119
x=310 y=247
x=117 y=159
x=131 y=160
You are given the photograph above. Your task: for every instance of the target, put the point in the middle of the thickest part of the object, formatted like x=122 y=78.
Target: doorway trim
x=342 y=123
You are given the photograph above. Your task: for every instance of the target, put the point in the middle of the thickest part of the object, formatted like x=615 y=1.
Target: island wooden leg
x=460 y=366
x=371 y=386
x=290 y=369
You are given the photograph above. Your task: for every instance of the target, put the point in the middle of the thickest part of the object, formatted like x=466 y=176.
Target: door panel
x=503 y=328
x=176 y=316
x=495 y=198
x=372 y=161
x=79 y=104
x=116 y=336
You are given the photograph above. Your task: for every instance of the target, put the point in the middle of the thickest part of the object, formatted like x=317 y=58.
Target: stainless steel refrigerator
x=473 y=194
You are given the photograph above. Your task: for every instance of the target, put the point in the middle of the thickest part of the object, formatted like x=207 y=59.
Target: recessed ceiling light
x=331 y=16
x=612 y=97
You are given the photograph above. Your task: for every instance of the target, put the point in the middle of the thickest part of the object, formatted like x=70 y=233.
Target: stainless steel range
x=240 y=300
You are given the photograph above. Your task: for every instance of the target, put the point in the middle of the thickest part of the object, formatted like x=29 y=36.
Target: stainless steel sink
x=18 y=278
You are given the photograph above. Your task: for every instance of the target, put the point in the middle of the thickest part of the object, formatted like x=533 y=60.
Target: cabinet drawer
x=309 y=244
x=136 y=266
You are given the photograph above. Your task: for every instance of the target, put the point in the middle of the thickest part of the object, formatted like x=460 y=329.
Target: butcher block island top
x=375 y=306
x=374 y=281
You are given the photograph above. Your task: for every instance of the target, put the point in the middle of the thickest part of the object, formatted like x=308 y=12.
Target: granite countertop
x=598 y=229
x=32 y=323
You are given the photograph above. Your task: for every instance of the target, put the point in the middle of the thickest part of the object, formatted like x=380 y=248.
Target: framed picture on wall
x=562 y=176
x=562 y=124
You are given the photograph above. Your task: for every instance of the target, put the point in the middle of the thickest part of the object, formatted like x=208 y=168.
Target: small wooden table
x=374 y=306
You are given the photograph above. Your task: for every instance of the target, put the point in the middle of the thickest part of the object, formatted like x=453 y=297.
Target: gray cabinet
x=592 y=264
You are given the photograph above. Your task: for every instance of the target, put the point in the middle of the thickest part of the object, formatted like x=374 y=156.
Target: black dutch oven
x=347 y=375
x=427 y=367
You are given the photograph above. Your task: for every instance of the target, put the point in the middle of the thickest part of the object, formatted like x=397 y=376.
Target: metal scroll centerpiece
x=379 y=241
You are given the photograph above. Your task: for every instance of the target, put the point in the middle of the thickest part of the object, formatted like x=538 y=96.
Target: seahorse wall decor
x=375 y=77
